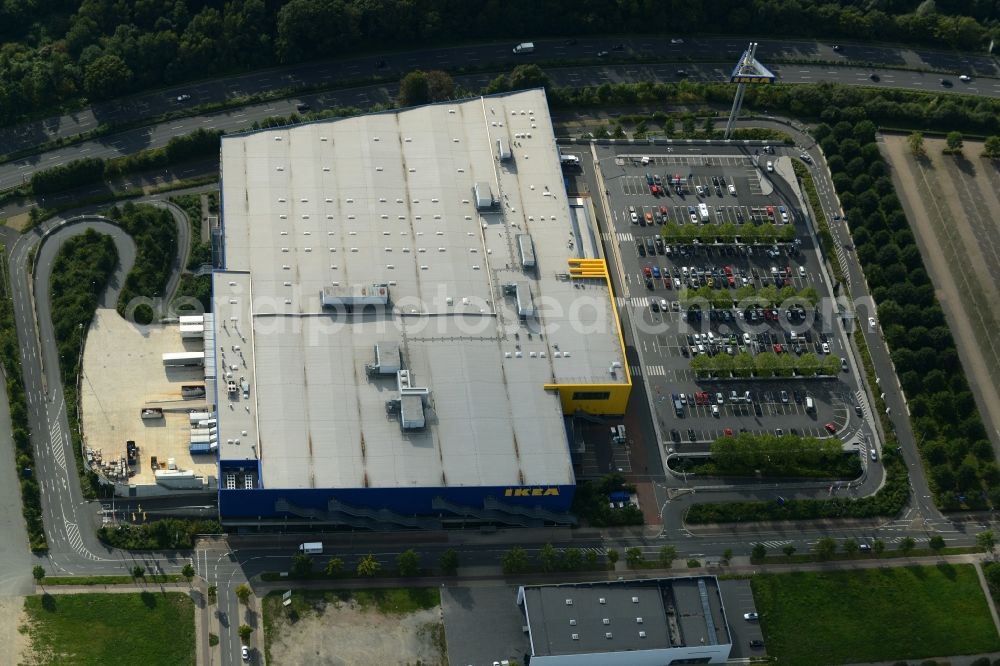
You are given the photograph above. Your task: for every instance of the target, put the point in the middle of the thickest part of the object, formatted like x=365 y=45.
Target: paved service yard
x=483 y=625
x=735 y=192
x=738 y=598
x=122 y=373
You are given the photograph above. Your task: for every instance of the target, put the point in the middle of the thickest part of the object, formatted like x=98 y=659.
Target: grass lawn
x=147 y=628
x=883 y=614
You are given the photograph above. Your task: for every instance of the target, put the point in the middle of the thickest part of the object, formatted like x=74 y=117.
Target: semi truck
x=524 y=47
x=312 y=548
x=201 y=448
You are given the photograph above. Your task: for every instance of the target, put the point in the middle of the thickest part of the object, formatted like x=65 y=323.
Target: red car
x=778 y=349
x=663 y=210
x=728 y=432
x=647 y=271
x=770 y=211
x=729 y=270
x=654 y=190
x=830 y=428
x=732 y=281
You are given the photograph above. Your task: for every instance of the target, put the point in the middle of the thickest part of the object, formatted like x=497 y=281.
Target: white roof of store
x=388 y=198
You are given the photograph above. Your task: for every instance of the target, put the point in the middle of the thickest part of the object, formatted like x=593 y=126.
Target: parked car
x=830 y=428
x=750 y=616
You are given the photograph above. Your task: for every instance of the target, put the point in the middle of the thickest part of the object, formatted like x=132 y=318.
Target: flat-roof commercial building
x=627 y=623
x=408 y=306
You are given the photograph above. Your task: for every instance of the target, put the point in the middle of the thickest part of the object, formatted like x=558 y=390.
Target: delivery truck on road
x=312 y=548
x=524 y=47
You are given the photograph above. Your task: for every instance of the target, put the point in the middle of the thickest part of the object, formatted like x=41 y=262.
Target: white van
x=524 y=47
x=810 y=405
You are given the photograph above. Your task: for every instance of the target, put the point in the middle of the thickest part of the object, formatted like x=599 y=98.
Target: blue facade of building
x=265 y=504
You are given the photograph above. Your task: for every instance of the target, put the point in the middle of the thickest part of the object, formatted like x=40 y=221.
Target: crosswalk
x=636 y=301
x=649 y=371
x=774 y=544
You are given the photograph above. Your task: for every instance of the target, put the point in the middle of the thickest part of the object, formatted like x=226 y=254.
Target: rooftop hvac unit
x=484 y=195
x=412 y=412
x=526 y=248
x=503 y=150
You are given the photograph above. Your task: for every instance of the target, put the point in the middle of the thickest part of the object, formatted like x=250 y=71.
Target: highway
x=985 y=83
x=496 y=56
x=71 y=522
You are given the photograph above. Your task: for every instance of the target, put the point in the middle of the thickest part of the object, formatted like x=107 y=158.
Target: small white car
x=676 y=40
x=802 y=271
x=749 y=617
x=965 y=78
x=871 y=323
x=245 y=653
x=732 y=190
x=826 y=347
x=770 y=166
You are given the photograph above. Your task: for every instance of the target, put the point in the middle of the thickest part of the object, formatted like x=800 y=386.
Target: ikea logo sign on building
x=531 y=492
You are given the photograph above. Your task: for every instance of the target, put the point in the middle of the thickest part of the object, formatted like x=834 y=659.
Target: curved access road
x=70 y=521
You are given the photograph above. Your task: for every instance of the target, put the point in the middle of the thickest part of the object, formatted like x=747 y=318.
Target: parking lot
x=690 y=295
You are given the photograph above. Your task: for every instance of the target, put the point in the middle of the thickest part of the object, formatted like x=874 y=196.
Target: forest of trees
x=56 y=52
x=953 y=441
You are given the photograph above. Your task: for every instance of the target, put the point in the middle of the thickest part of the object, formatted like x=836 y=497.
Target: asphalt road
x=493 y=56
x=16 y=172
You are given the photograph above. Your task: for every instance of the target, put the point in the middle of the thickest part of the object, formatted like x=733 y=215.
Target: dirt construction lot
x=371 y=627
x=953 y=205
